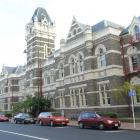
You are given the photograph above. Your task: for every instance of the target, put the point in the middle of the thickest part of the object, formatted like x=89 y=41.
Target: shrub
x=8 y=114
x=109 y=114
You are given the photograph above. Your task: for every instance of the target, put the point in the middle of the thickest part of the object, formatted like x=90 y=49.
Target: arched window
x=102 y=59
x=61 y=70
x=133 y=58
x=80 y=65
x=72 y=66
x=46 y=78
x=100 y=52
x=51 y=76
x=137 y=32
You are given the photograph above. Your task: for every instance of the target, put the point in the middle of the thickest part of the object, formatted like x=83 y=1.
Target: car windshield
x=27 y=115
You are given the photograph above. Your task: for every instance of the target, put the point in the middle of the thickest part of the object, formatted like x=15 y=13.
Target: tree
x=34 y=105
x=122 y=96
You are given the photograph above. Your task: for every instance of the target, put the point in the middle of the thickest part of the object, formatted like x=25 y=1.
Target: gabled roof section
x=104 y=24
x=19 y=69
x=76 y=28
x=12 y=70
x=127 y=29
x=41 y=14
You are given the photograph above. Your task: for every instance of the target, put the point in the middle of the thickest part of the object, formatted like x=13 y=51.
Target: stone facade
x=83 y=74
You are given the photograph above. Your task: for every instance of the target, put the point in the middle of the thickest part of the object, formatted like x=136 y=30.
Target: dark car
x=52 y=118
x=24 y=118
x=3 y=118
x=92 y=119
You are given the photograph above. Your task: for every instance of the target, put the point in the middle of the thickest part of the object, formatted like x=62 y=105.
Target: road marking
x=29 y=136
x=116 y=131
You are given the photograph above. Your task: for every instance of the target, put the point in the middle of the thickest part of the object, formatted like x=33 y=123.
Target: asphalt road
x=10 y=131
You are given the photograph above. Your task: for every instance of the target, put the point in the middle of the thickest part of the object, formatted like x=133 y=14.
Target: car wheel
x=40 y=122
x=116 y=128
x=23 y=121
x=51 y=123
x=101 y=126
x=15 y=121
x=81 y=125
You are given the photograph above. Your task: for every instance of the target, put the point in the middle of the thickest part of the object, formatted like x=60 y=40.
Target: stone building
x=84 y=73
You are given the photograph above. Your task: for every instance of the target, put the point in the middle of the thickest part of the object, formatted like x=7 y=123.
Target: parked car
x=52 y=118
x=92 y=119
x=24 y=118
x=3 y=118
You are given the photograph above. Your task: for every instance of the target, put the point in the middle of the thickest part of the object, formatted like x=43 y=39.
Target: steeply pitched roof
x=14 y=70
x=10 y=70
x=125 y=31
x=103 y=24
x=41 y=13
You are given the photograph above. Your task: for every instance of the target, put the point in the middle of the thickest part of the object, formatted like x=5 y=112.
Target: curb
x=121 y=128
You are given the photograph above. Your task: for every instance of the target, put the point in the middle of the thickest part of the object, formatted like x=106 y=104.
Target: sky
x=15 y=14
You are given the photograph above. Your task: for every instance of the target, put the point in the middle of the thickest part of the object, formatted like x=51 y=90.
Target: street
x=10 y=131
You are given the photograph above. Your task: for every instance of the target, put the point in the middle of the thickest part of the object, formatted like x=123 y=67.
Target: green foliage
x=121 y=94
x=109 y=114
x=34 y=105
x=8 y=114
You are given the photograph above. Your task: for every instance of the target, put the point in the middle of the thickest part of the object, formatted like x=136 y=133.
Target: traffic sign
x=132 y=93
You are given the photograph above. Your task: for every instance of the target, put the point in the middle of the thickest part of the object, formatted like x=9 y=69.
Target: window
x=73 y=98
x=47 y=78
x=74 y=32
x=51 y=76
x=62 y=99
x=100 y=52
x=80 y=63
x=82 y=98
x=134 y=60
x=104 y=94
x=137 y=32
x=72 y=66
x=102 y=58
x=61 y=70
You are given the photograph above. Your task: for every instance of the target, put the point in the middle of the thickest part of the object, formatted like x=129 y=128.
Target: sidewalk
x=124 y=125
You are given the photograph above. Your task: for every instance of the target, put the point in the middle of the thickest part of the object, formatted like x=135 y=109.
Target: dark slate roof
x=41 y=13
x=103 y=24
x=125 y=31
x=10 y=70
x=13 y=70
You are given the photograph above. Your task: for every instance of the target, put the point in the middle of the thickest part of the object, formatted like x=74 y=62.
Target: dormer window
x=74 y=32
x=79 y=30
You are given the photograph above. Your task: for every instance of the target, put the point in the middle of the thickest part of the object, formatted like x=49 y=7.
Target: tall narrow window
x=61 y=70
x=51 y=76
x=80 y=63
x=134 y=59
x=62 y=99
x=102 y=58
x=73 y=98
x=72 y=66
x=137 y=32
x=104 y=94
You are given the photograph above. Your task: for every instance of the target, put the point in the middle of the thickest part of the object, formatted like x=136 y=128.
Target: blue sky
x=15 y=14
